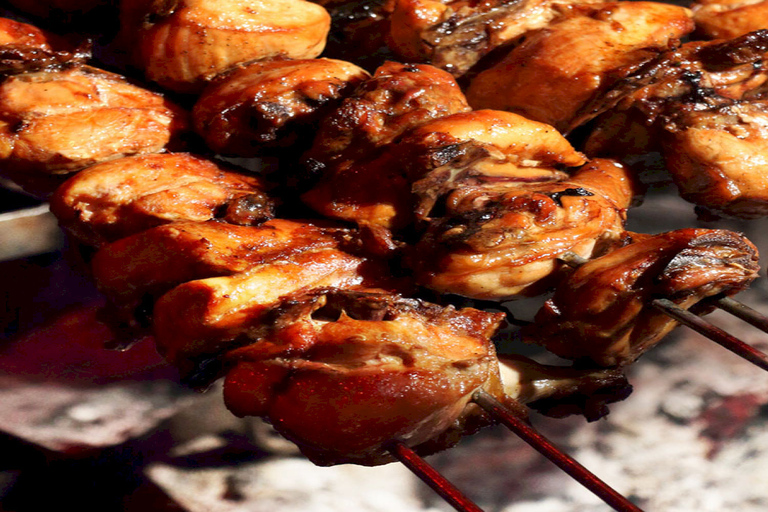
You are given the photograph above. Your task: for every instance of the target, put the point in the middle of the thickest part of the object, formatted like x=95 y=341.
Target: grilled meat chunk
x=351 y=371
x=502 y=240
x=398 y=98
x=57 y=122
x=121 y=197
x=602 y=312
x=726 y=19
x=702 y=107
x=455 y=34
x=134 y=271
x=560 y=68
x=272 y=104
x=180 y=44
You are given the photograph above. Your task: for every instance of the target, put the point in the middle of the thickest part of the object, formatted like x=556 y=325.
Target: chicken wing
x=603 y=313
x=121 y=197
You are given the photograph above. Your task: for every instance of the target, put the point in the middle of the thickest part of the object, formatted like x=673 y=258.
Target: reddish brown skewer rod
x=544 y=446
x=743 y=312
x=712 y=332
x=432 y=478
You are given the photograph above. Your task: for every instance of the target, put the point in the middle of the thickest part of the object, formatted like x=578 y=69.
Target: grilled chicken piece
x=455 y=34
x=603 y=313
x=272 y=104
x=198 y=319
x=726 y=19
x=25 y=48
x=57 y=122
x=701 y=107
x=634 y=116
x=499 y=241
x=342 y=373
x=121 y=197
x=134 y=271
x=476 y=148
x=181 y=44
x=349 y=371
x=398 y=98
x=558 y=69
x=717 y=158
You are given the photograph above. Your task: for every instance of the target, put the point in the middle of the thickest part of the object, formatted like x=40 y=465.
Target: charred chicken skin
x=56 y=122
x=275 y=103
x=184 y=43
x=502 y=240
x=357 y=182
x=115 y=199
x=558 y=69
x=602 y=312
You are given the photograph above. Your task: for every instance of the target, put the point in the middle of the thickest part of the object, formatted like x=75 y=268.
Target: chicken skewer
x=616 y=318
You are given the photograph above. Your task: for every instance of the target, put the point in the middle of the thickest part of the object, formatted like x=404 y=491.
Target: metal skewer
x=743 y=312
x=712 y=332
x=544 y=446
x=432 y=478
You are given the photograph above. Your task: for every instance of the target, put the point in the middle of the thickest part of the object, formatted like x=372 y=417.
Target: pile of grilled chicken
x=325 y=288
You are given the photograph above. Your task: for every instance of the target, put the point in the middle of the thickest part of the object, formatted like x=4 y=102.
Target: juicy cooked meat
x=455 y=34
x=719 y=158
x=137 y=269
x=603 y=312
x=58 y=122
x=558 y=69
x=199 y=318
x=121 y=197
x=180 y=44
x=274 y=103
x=701 y=106
x=351 y=371
x=398 y=98
x=343 y=373
x=726 y=19
x=476 y=148
x=499 y=241
x=24 y=48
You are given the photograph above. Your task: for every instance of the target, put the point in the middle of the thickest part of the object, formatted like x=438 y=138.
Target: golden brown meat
x=726 y=19
x=558 y=69
x=351 y=371
x=200 y=318
x=718 y=158
x=343 y=373
x=121 y=197
x=57 y=122
x=398 y=98
x=455 y=34
x=498 y=241
x=603 y=312
x=272 y=104
x=701 y=107
x=134 y=271
x=181 y=44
